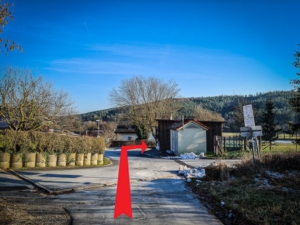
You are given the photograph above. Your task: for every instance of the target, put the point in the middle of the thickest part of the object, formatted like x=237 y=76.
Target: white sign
x=256 y=131
x=251 y=131
x=248 y=116
x=245 y=131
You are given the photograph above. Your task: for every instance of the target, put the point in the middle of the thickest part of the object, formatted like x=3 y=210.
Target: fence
x=234 y=143
x=229 y=143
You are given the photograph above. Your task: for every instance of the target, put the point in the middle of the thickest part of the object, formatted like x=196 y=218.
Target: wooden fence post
x=217 y=148
x=235 y=141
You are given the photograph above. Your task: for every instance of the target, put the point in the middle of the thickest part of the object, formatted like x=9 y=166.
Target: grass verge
x=267 y=193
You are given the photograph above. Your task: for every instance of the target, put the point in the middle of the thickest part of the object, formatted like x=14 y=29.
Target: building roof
x=179 y=125
x=213 y=121
x=126 y=129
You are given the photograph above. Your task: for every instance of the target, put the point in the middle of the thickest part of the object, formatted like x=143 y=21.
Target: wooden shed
x=188 y=137
x=165 y=126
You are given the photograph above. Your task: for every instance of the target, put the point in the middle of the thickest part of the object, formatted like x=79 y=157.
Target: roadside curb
x=184 y=164
x=71 y=190
x=151 y=155
x=37 y=185
x=58 y=192
x=64 y=191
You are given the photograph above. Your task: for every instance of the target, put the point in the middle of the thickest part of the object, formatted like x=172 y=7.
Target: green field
x=238 y=153
x=280 y=136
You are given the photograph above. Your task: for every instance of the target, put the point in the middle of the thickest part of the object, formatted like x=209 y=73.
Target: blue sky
x=208 y=48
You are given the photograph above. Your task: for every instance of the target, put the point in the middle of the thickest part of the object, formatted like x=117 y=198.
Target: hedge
x=40 y=142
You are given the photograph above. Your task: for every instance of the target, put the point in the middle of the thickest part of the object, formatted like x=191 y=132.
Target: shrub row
x=31 y=160
x=51 y=143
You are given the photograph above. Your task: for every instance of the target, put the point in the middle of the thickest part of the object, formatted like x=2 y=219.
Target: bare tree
x=6 y=15
x=69 y=120
x=30 y=103
x=147 y=99
x=108 y=129
x=238 y=113
x=89 y=127
x=205 y=115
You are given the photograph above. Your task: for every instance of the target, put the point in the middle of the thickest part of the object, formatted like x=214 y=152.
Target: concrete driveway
x=159 y=195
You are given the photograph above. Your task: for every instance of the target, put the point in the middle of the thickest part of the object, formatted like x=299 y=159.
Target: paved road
x=159 y=196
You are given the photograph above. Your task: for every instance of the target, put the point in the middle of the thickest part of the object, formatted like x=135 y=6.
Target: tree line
x=225 y=105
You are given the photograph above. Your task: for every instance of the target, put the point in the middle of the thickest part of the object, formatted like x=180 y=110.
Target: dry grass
x=265 y=193
x=32 y=209
x=230 y=134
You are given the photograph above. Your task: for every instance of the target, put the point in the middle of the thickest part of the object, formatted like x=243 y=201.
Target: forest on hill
x=226 y=105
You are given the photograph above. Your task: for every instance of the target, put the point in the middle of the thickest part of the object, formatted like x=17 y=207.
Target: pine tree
x=268 y=122
x=295 y=98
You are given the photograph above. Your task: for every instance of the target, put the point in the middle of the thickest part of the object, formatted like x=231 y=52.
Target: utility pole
x=98 y=128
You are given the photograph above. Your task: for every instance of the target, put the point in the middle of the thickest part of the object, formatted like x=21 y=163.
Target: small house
x=165 y=127
x=126 y=133
x=189 y=136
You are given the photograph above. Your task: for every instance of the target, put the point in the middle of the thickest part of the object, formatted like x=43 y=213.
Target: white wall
x=125 y=137
x=151 y=138
x=174 y=141
x=192 y=140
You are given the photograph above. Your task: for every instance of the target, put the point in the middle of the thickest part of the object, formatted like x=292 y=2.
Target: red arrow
x=123 y=197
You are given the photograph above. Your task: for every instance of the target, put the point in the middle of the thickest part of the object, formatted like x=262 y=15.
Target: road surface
x=159 y=195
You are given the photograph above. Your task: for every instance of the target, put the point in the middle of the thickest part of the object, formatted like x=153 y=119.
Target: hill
x=222 y=104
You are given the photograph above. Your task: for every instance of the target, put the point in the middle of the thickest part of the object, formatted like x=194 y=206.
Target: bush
x=98 y=145
x=69 y=144
x=82 y=144
x=55 y=143
x=40 y=140
x=21 y=141
x=151 y=144
x=16 y=141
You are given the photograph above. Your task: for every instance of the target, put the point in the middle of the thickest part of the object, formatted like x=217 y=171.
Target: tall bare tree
x=29 y=103
x=205 y=115
x=147 y=99
x=6 y=15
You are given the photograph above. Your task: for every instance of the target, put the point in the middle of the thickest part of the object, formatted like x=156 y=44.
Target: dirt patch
x=222 y=212
x=23 y=207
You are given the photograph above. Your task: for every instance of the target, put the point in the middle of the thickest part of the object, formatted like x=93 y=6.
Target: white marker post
x=250 y=130
x=248 y=116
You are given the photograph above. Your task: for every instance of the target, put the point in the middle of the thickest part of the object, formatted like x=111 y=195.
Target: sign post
x=250 y=131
